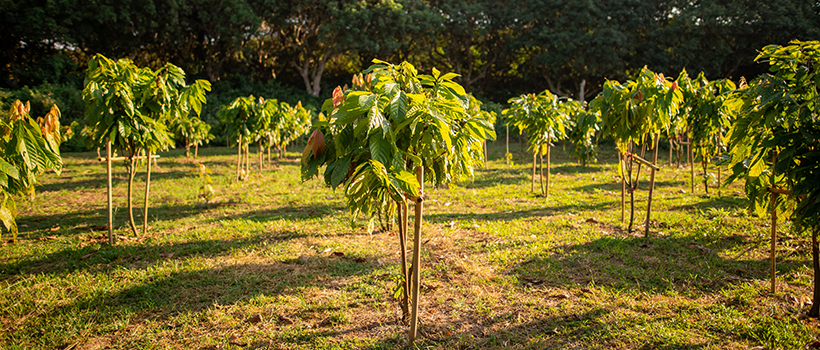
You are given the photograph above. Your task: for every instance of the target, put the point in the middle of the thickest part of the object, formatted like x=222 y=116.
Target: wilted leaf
x=318 y=143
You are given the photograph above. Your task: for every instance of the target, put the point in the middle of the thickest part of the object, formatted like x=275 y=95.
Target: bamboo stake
x=549 y=146
x=111 y=239
x=131 y=172
x=414 y=315
x=670 y=151
x=623 y=186
x=532 y=187
x=508 y=146
x=114 y=159
x=486 y=160
x=260 y=152
x=196 y=149
x=402 y=207
x=541 y=168
x=239 y=158
x=651 y=185
x=773 y=254
x=147 y=186
x=691 y=155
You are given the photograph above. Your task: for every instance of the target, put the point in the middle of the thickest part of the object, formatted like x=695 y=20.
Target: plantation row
x=394 y=129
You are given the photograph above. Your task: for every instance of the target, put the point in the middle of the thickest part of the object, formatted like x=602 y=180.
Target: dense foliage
x=28 y=148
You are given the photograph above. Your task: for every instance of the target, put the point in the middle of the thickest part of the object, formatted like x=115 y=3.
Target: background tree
x=191 y=131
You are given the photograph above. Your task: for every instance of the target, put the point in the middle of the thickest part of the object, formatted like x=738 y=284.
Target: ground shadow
x=520 y=214
x=646 y=264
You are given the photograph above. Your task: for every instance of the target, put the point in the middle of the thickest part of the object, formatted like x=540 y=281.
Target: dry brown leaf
x=254 y=319
x=88 y=255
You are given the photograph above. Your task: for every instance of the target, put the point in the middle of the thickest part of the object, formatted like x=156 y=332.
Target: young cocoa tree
x=391 y=124
x=635 y=114
x=710 y=116
x=191 y=131
x=586 y=125
x=545 y=119
x=129 y=107
x=28 y=149
x=775 y=144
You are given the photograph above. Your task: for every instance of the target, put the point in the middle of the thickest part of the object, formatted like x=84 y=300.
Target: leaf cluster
x=392 y=120
x=28 y=148
x=779 y=113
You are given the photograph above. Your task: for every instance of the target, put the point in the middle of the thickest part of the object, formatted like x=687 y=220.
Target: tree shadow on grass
x=104 y=257
x=520 y=214
x=646 y=264
x=160 y=298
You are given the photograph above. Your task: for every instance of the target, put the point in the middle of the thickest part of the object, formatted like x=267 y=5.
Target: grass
x=273 y=263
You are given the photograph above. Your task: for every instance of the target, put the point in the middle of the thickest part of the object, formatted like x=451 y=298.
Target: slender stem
x=111 y=239
x=402 y=208
x=132 y=170
x=508 y=145
x=623 y=184
x=690 y=153
x=773 y=254
x=541 y=168
x=147 y=186
x=239 y=158
x=815 y=262
x=549 y=146
x=260 y=156
x=670 y=151
x=651 y=185
x=414 y=315
x=196 y=149
x=534 y=154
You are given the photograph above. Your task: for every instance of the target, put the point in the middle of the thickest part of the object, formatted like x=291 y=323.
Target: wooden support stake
x=638 y=159
x=147 y=185
x=111 y=239
x=773 y=254
x=623 y=186
x=414 y=314
x=651 y=185
x=508 y=146
x=114 y=159
x=691 y=156
x=549 y=146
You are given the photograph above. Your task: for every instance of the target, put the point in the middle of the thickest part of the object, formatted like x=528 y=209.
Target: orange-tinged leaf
x=674 y=85
x=318 y=143
x=338 y=96
x=639 y=96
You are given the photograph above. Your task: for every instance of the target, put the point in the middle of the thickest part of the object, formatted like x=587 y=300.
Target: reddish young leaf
x=338 y=96
x=674 y=86
x=318 y=143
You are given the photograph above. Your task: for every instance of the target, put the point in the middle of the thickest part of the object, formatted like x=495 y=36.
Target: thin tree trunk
x=486 y=160
x=623 y=186
x=670 y=151
x=196 y=150
x=651 y=185
x=541 y=168
x=260 y=156
x=773 y=254
x=269 y=154
x=147 y=187
x=111 y=239
x=720 y=182
x=690 y=154
x=631 y=208
x=132 y=170
x=508 y=146
x=705 y=163
x=549 y=146
x=402 y=208
x=815 y=262
x=414 y=315
x=187 y=149
x=239 y=158
x=534 y=161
